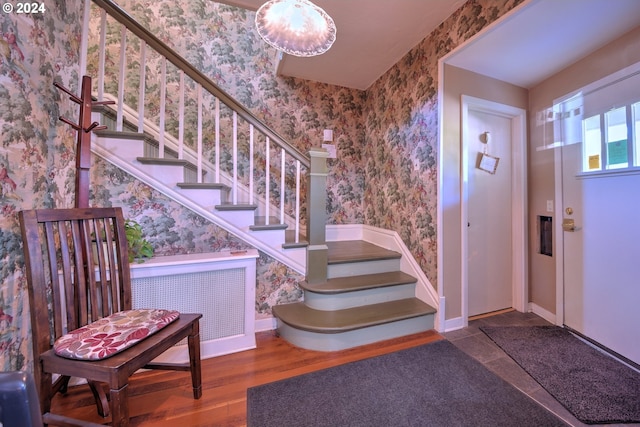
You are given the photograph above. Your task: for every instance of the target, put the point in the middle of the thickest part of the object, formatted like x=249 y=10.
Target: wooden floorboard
x=164 y=398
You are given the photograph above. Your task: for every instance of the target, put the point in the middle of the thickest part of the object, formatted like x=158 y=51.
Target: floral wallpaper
x=36 y=149
x=386 y=173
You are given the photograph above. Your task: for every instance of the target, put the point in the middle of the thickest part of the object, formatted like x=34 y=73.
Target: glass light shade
x=297 y=27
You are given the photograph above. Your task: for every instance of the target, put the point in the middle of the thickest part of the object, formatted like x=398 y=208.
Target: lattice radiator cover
x=218 y=295
x=220 y=285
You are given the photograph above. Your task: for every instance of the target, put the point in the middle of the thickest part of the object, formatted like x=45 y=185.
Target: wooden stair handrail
x=132 y=25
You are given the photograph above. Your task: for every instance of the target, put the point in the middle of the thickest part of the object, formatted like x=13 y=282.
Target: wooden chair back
x=77 y=268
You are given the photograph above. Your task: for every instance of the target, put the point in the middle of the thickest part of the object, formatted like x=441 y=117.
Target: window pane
x=592 y=145
x=616 y=125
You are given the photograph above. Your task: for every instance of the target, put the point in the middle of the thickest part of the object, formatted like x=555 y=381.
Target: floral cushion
x=110 y=335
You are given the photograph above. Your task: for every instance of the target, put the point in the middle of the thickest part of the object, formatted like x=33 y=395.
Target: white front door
x=601 y=236
x=601 y=257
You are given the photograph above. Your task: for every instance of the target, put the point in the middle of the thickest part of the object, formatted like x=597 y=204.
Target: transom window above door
x=604 y=117
x=611 y=139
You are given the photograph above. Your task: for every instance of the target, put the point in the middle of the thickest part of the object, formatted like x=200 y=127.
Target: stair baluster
x=235 y=128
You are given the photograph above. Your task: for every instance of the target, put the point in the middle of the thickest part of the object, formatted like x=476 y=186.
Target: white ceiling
x=372 y=35
x=531 y=43
x=542 y=37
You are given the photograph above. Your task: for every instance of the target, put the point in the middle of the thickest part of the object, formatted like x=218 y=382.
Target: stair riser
x=297 y=254
x=125 y=149
x=274 y=238
x=344 y=300
x=367 y=267
x=170 y=174
x=238 y=218
x=341 y=341
x=204 y=196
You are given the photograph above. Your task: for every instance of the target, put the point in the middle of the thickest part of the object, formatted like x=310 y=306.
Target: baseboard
x=337 y=232
x=453 y=324
x=266 y=324
x=545 y=314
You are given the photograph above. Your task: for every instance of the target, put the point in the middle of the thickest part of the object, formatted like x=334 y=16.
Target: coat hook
x=485 y=137
x=68 y=92
x=70 y=123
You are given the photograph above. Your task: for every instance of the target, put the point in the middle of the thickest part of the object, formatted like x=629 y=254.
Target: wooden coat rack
x=84 y=127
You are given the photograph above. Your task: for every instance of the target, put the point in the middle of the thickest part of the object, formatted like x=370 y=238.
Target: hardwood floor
x=164 y=398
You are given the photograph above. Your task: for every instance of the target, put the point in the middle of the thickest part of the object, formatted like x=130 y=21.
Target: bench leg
x=100 y=397
x=194 y=361
x=119 y=406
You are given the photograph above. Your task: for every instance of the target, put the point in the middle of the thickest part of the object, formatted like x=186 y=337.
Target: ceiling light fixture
x=296 y=27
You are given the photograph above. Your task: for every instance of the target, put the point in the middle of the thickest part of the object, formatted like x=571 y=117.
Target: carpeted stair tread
x=357 y=250
x=358 y=283
x=299 y=316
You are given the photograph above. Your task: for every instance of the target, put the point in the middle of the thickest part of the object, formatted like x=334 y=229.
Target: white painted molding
x=338 y=232
x=542 y=312
x=266 y=324
x=454 y=324
x=441 y=321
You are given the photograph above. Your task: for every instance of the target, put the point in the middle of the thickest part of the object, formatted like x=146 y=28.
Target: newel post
x=316 y=216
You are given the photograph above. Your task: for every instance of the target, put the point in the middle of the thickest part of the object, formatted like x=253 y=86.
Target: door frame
x=519 y=273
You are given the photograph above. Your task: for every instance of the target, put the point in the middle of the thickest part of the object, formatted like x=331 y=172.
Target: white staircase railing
x=208 y=127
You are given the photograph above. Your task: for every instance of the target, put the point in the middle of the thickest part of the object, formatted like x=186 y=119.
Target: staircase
x=367 y=293
x=365 y=299
x=137 y=154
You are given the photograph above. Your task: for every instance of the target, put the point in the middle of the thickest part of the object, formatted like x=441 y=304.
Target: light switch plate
x=331 y=149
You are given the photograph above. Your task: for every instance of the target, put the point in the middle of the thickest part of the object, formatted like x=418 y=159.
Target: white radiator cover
x=219 y=285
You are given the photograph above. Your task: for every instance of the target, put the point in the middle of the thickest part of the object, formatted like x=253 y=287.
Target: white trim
x=518 y=196
x=454 y=324
x=559 y=240
x=266 y=324
x=440 y=192
x=337 y=232
x=545 y=314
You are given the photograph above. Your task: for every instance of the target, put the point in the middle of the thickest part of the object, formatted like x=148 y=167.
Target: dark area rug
x=593 y=386
x=431 y=385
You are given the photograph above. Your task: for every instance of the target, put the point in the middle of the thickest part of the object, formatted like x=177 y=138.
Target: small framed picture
x=488 y=163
